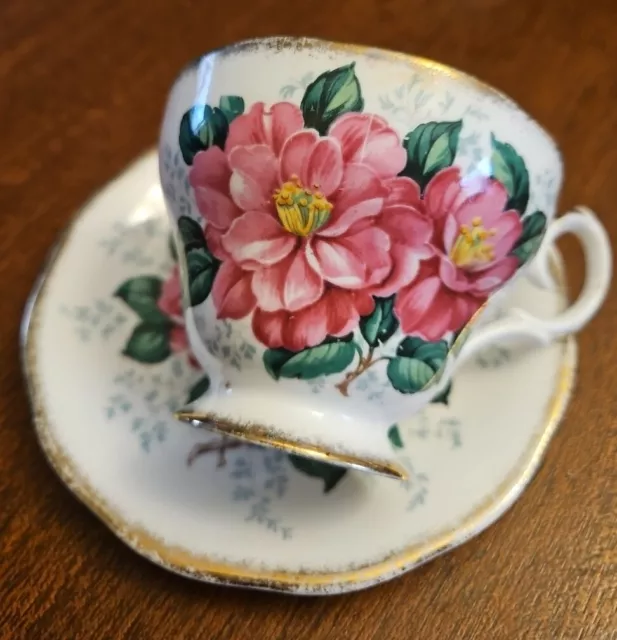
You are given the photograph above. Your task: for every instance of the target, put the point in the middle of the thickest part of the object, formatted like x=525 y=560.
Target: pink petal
x=490 y=279
x=361 y=196
x=509 y=228
x=404 y=191
x=247 y=129
x=324 y=167
x=368 y=139
x=405 y=264
x=291 y=284
x=487 y=205
x=443 y=194
x=407 y=226
x=216 y=207
x=210 y=168
x=178 y=341
x=268 y=327
x=231 y=292
x=214 y=241
x=256 y=239
x=260 y=126
x=170 y=299
x=254 y=176
x=455 y=278
x=295 y=153
x=355 y=260
x=282 y=121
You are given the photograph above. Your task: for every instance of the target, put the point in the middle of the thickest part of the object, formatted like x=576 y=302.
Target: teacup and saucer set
x=340 y=266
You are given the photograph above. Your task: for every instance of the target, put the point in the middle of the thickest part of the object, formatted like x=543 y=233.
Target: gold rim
x=181 y=561
x=256 y=434
x=280 y=43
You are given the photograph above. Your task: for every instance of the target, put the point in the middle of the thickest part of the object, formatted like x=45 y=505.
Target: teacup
x=343 y=216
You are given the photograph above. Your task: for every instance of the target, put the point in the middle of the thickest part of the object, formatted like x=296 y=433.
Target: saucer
x=106 y=359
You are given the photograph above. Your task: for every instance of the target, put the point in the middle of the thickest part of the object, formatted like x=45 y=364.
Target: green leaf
x=149 y=343
x=509 y=168
x=534 y=226
x=416 y=363
x=409 y=375
x=330 y=95
x=331 y=356
x=394 y=435
x=173 y=252
x=444 y=396
x=191 y=233
x=231 y=106
x=141 y=294
x=430 y=148
x=202 y=127
x=202 y=268
x=198 y=389
x=381 y=325
x=329 y=473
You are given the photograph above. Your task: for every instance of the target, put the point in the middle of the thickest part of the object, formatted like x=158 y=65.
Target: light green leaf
x=141 y=294
x=330 y=95
x=430 y=148
x=329 y=473
x=231 y=106
x=509 y=168
x=148 y=343
x=332 y=356
x=416 y=363
x=381 y=325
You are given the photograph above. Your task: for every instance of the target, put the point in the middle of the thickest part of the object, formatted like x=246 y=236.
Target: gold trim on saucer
x=262 y=436
x=203 y=567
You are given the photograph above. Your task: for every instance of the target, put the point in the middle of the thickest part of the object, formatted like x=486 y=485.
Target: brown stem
x=221 y=445
x=365 y=363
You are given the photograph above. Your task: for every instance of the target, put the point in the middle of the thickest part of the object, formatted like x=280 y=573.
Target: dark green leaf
x=191 y=233
x=231 y=106
x=534 y=227
x=329 y=473
x=444 y=396
x=329 y=96
x=172 y=248
x=394 y=435
x=332 y=356
x=416 y=363
x=430 y=148
x=509 y=168
x=141 y=294
x=381 y=325
x=409 y=375
x=202 y=268
x=201 y=127
x=148 y=343
x=198 y=389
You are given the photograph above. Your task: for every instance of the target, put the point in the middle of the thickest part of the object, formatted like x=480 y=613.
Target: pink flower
x=307 y=226
x=170 y=304
x=472 y=239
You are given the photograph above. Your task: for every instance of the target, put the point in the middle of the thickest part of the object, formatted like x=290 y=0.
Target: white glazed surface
x=105 y=424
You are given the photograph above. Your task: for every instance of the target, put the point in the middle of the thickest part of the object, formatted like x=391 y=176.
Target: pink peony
x=307 y=227
x=170 y=304
x=472 y=239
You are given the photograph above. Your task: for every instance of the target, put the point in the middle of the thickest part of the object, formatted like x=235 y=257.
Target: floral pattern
x=346 y=244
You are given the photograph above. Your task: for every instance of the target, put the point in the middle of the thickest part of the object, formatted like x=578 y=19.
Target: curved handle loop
x=519 y=324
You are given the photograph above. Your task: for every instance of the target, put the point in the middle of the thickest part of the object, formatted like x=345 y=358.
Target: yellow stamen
x=300 y=211
x=472 y=248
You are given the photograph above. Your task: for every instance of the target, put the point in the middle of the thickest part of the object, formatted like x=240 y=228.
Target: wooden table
x=82 y=87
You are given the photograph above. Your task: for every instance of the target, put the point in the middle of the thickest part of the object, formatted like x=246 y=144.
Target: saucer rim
x=199 y=566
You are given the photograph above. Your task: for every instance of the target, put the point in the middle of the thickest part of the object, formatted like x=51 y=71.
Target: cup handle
x=519 y=324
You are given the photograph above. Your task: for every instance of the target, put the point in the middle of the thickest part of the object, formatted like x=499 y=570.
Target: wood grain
x=82 y=87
